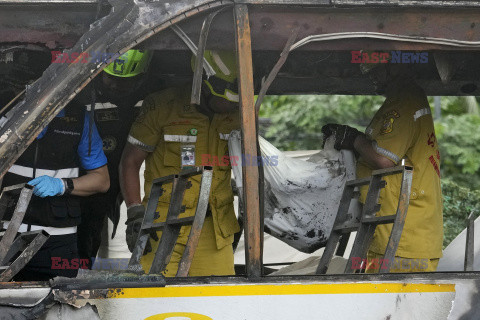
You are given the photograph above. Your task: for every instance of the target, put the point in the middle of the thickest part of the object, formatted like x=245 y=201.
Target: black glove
x=344 y=135
x=115 y=218
x=134 y=221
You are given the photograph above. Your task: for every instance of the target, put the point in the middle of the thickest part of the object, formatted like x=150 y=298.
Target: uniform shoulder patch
x=109 y=144
x=388 y=120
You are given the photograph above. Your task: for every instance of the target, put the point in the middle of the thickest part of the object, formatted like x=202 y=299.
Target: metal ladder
x=27 y=243
x=366 y=223
x=171 y=227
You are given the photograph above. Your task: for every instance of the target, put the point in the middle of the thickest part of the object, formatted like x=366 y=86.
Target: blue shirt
x=97 y=158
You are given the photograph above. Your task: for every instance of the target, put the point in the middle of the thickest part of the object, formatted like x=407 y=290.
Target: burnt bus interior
x=322 y=66
x=320 y=61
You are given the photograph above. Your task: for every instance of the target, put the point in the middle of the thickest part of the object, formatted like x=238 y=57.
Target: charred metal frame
x=189 y=43
x=24 y=193
x=171 y=227
x=28 y=243
x=272 y=75
x=366 y=222
x=197 y=75
x=10 y=244
x=195 y=231
x=116 y=33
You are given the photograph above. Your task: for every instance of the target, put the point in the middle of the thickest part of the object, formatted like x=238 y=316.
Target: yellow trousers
x=375 y=261
x=207 y=260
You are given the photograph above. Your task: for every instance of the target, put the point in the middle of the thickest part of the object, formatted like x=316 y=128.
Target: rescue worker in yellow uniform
x=401 y=131
x=169 y=134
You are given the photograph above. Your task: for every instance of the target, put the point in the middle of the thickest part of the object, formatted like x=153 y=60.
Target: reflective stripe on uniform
x=385 y=152
x=179 y=138
x=231 y=96
x=421 y=113
x=28 y=172
x=51 y=230
x=140 y=144
x=224 y=136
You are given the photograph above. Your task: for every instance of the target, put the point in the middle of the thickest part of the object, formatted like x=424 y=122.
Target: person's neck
x=204 y=109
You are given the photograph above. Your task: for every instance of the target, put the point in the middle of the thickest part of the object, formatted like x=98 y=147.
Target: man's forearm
x=365 y=149
x=132 y=159
x=95 y=181
x=130 y=185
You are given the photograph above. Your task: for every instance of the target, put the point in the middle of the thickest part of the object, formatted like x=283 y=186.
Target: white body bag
x=301 y=198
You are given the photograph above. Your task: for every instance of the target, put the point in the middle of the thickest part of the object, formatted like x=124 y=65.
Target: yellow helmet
x=224 y=83
x=130 y=64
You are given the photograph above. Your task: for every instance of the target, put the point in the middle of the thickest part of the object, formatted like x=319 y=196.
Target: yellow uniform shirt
x=165 y=125
x=403 y=129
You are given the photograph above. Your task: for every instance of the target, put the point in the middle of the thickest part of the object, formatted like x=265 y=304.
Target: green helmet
x=130 y=64
x=224 y=83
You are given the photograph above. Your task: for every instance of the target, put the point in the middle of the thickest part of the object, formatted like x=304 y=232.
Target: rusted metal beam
x=271 y=27
x=62 y=24
x=253 y=229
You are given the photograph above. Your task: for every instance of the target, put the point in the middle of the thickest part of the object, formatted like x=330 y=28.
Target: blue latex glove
x=46 y=186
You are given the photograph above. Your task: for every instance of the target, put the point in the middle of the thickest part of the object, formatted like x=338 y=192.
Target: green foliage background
x=458 y=202
x=296 y=122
